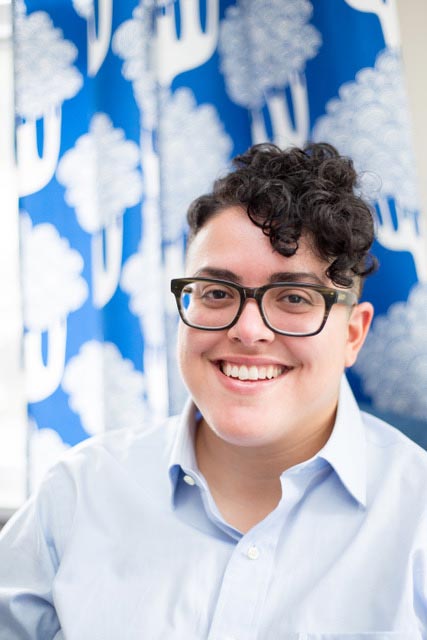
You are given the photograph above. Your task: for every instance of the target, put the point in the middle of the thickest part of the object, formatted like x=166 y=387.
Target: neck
x=245 y=481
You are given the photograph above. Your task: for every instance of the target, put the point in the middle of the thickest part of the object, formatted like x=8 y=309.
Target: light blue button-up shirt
x=123 y=541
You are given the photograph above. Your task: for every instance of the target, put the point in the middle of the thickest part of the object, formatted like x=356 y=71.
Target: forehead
x=231 y=242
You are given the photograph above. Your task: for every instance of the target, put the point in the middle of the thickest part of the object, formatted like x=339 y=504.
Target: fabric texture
x=123 y=540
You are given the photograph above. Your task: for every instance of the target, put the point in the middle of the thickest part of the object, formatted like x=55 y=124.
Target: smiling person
x=272 y=508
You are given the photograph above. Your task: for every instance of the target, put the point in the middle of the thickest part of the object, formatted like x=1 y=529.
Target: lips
x=251 y=372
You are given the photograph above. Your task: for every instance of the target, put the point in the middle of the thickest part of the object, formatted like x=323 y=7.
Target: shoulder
x=127 y=448
x=394 y=456
x=381 y=434
x=101 y=473
x=120 y=458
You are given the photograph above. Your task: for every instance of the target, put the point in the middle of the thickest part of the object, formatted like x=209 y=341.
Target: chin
x=245 y=429
x=243 y=439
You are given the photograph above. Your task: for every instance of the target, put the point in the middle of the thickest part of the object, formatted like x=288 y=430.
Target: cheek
x=182 y=347
x=192 y=344
x=327 y=351
x=334 y=352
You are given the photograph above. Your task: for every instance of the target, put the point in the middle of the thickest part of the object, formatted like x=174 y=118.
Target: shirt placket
x=239 y=610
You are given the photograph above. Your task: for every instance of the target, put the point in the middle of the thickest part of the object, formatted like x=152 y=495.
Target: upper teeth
x=251 y=373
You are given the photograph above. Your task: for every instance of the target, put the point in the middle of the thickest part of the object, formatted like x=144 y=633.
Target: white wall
x=12 y=400
x=413 y=26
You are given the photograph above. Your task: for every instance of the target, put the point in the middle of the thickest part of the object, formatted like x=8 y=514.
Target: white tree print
x=152 y=302
x=144 y=282
x=370 y=123
x=45 y=448
x=386 y=10
x=158 y=55
x=264 y=48
x=98 y=34
x=193 y=47
x=170 y=54
x=102 y=180
x=194 y=150
x=154 y=54
x=44 y=78
x=393 y=362
x=52 y=288
x=104 y=389
x=132 y=42
x=143 y=300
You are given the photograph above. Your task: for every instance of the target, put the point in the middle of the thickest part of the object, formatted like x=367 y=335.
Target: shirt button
x=253 y=553
x=189 y=480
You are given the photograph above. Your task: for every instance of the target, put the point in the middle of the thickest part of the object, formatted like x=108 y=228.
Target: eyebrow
x=280 y=276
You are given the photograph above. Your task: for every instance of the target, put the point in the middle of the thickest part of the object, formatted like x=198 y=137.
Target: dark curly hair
x=308 y=191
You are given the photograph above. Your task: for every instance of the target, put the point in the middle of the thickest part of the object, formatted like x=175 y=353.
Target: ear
x=358 y=327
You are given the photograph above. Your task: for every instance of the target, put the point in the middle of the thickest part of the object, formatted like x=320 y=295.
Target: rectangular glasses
x=287 y=308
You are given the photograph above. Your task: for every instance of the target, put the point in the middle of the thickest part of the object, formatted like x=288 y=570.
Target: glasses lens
x=294 y=309
x=209 y=304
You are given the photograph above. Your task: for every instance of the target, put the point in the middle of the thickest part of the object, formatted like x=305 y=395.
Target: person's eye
x=216 y=293
x=296 y=298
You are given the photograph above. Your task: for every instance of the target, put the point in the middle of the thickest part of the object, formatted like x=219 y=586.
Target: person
x=272 y=508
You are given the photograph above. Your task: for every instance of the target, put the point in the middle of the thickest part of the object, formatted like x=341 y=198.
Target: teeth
x=251 y=373
x=243 y=373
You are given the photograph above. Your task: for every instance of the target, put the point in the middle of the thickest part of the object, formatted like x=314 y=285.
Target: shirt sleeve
x=29 y=560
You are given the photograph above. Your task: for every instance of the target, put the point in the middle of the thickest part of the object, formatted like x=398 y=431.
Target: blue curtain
x=125 y=113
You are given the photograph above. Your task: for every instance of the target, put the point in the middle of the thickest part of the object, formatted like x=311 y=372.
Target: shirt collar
x=345 y=450
x=183 y=456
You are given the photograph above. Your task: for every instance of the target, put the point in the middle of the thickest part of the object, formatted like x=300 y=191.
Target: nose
x=250 y=327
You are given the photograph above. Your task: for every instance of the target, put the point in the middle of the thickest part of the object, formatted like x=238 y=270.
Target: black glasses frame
x=330 y=296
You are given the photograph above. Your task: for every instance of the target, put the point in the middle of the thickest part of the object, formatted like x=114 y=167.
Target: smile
x=252 y=372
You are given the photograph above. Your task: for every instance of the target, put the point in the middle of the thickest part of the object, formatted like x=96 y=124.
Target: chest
x=303 y=574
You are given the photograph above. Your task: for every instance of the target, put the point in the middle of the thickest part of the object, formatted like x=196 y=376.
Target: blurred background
x=114 y=115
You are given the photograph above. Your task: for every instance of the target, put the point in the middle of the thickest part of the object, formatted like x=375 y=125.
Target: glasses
x=287 y=308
